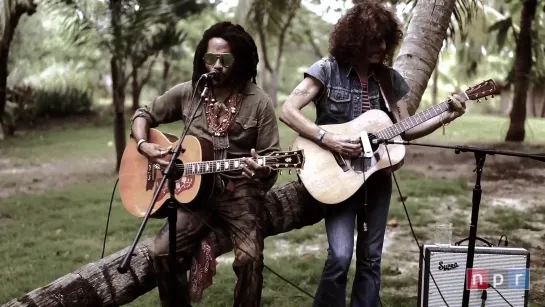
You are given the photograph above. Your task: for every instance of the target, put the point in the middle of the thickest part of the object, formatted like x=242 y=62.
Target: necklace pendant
x=233 y=110
x=224 y=120
x=206 y=99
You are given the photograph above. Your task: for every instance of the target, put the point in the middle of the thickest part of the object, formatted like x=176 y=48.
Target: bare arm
x=290 y=114
x=140 y=128
x=457 y=109
x=164 y=109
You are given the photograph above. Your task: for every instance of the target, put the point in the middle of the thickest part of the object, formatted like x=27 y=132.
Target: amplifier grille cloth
x=451 y=282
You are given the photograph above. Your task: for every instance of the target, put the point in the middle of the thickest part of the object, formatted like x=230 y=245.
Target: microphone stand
x=480 y=156
x=171 y=174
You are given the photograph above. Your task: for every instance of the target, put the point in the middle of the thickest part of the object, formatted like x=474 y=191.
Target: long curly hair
x=365 y=24
x=243 y=48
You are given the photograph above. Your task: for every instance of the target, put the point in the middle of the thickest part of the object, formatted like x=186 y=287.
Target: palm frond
x=463 y=14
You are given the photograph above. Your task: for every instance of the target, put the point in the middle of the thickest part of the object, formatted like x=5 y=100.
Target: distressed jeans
x=340 y=222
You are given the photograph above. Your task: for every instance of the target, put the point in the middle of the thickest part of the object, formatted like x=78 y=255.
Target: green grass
x=48 y=235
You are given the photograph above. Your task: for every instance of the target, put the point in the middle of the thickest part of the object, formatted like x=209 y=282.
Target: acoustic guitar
x=331 y=178
x=139 y=178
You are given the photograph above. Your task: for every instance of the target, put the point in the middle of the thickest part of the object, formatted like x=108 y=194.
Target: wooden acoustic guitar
x=139 y=178
x=331 y=178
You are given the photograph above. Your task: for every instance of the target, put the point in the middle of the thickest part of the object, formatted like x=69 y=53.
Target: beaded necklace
x=220 y=115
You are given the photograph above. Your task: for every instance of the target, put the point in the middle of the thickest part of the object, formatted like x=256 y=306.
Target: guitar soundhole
x=179 y=169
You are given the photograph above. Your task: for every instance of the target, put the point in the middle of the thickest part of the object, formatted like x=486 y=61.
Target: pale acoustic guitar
x=139 y=178
x=332 y=178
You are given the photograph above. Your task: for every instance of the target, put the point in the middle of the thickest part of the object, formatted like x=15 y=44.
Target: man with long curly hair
x=238 y=119
x=352 y=80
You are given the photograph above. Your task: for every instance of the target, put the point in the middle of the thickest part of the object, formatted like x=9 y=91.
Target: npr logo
x=479 y=279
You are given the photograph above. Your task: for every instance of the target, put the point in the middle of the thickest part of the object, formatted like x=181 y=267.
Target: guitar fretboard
x=412 y=121
x=206 y=167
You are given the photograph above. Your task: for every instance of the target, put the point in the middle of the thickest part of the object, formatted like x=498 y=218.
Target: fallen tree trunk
x=289 y=206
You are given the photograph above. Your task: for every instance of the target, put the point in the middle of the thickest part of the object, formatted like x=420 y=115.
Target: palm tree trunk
x=97 y=284
x=12 y=17
x=419 y=52
x=435 y=85
x=523 y=66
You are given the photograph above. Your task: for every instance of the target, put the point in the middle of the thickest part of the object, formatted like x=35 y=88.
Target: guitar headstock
x=483 y=89
x=292 y=159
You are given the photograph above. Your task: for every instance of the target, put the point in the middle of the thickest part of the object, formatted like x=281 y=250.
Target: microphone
x=210 y=75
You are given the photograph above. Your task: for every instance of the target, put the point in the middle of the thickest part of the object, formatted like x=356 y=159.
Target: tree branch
x=283 y=31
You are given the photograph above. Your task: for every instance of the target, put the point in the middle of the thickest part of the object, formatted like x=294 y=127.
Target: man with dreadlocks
x=239 y=119
x=352 y=80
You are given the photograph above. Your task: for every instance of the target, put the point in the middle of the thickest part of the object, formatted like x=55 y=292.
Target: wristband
x=321 y=135
x=140 y=142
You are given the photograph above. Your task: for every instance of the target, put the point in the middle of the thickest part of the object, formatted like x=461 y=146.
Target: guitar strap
x=385 y=81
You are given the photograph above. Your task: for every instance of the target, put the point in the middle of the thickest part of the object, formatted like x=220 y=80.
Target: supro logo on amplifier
x=448 y=266
x=512 y=278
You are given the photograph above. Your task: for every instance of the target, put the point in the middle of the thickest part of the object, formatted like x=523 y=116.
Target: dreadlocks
x=243 y=48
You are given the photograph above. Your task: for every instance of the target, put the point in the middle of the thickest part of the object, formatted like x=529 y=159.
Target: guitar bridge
x=151 y=175
x=341 y=161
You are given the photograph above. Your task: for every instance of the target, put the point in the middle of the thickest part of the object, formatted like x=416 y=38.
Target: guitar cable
x=410 y=223
x=108 y=219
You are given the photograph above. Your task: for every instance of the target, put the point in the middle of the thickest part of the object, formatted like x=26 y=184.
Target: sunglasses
x=226 y=59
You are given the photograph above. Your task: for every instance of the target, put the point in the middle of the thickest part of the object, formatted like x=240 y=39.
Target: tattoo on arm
x=299 y=92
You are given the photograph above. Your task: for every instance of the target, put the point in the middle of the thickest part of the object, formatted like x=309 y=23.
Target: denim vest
x=341 y=100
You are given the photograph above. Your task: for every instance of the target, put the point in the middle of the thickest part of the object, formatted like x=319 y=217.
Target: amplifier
x=507 y=269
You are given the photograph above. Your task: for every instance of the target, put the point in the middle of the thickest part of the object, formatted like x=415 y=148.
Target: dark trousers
x=340 y=222
x=241 y=216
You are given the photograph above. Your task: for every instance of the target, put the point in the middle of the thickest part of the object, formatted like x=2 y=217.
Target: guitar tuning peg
x=485 y=98
x=298 y=171
x=492 y=96
x=289 y=172
x=280 y=172
x=289 y=148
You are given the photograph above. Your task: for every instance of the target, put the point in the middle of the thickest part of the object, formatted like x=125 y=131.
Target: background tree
x=12 y=11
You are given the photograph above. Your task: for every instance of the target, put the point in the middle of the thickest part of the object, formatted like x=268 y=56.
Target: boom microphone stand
x=171 y=174
x=480 y=156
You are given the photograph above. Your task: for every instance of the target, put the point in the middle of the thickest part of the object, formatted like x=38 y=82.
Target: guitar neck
x=413 y=121
x=217 y=166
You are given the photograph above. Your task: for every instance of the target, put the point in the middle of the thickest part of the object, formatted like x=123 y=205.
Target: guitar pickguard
x=154 y=177
x=361 y=164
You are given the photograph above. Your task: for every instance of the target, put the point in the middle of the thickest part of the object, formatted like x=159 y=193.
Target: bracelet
x=443 y=123
x=321 y=135
x=140 y=142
